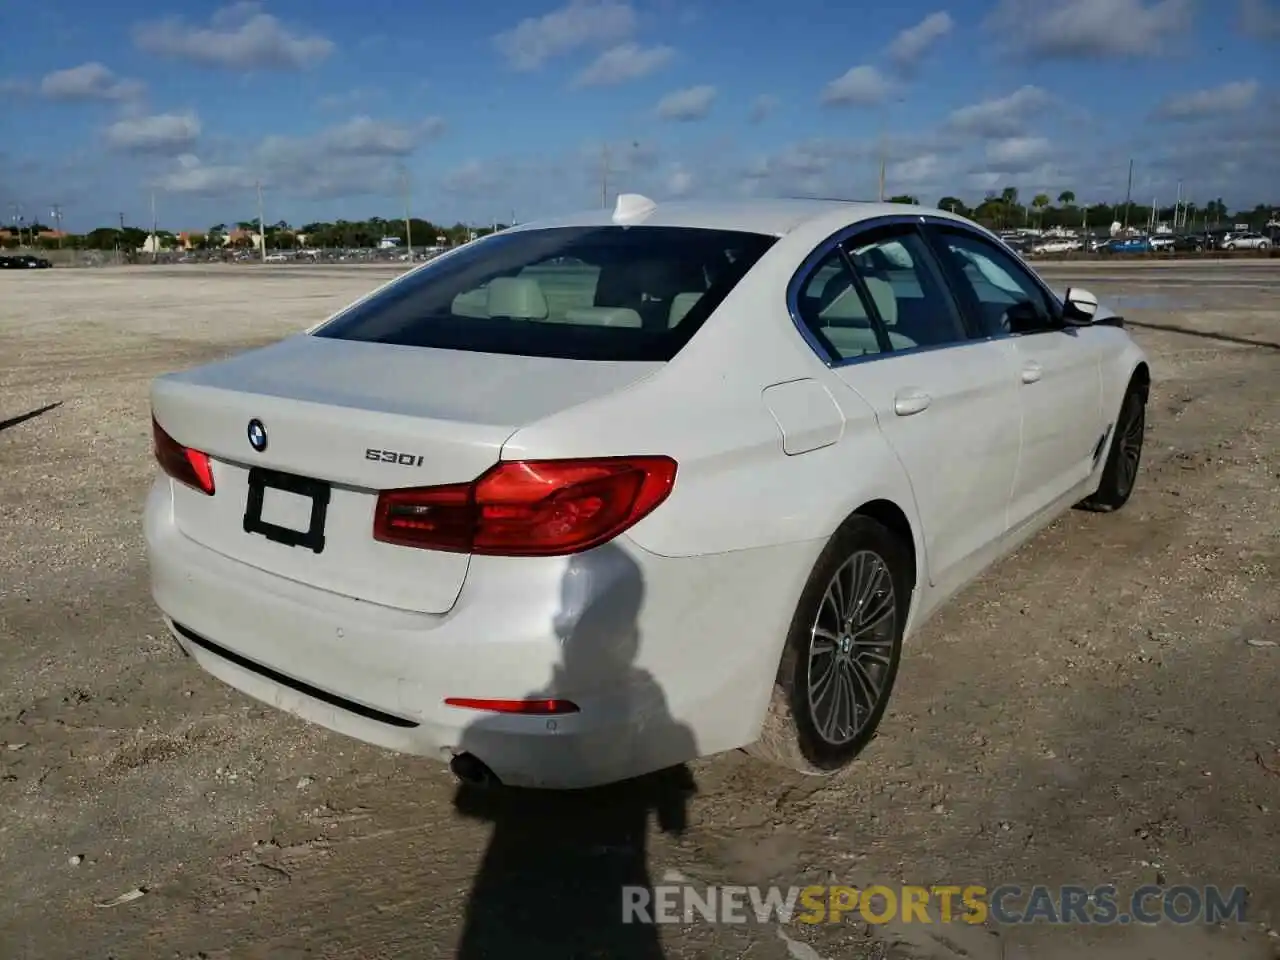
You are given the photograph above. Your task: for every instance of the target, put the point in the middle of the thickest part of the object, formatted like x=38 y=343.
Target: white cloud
x=89 y=81
x=578 y=24
x=693 y=103
x=1228 y=98
x=762 y=108
x=1017 y=154
x=365 y=137
x=239 y=37
x=859 y=86
x=623 y=63
x=361 y=157
x=1091 y=29
x=999 y=117
x=192 y=176
x=913 y=43
x=912 y=172
x=680 y=181
x=159 y=133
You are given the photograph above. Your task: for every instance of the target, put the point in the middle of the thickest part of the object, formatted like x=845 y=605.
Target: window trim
x=923 y=223
x=936 y=231
x=824 y=345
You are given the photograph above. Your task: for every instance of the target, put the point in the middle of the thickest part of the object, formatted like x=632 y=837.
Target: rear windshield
x=581 y=293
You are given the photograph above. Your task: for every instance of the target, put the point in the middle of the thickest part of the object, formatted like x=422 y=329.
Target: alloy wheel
x=851 y=646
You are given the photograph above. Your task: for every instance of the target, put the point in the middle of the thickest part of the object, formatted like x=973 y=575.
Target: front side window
x=583 y=293
x=1008 y=299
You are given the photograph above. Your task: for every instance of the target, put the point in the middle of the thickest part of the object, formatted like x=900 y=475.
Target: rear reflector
x=528 y=508
x=187 y=466
x=536 y=707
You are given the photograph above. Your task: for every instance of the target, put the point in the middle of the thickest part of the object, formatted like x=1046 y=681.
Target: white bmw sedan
x=600 y=495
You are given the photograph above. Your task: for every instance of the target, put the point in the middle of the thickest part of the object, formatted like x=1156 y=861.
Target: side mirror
x=1079 y=306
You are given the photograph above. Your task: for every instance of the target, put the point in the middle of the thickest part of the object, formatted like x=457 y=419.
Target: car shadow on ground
x=560 y=864
x=1206 y=334
x=29 y=415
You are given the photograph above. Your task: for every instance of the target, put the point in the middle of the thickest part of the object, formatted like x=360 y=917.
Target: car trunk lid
x=357 y=418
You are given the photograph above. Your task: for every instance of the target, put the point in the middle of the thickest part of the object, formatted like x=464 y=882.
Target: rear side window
x=580 y=293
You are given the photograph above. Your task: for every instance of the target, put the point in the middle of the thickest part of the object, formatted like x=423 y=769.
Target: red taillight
x=540 y=708
x=184 y=465
x=528 y=508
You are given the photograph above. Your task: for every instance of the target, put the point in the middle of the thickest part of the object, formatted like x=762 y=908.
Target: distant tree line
x=1003 y=210
x=279 y=236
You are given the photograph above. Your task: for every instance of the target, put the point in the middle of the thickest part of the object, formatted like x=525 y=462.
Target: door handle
x=907 y=402
x=1031 y=372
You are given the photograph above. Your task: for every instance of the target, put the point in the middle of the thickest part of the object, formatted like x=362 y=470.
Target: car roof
x=771 y=217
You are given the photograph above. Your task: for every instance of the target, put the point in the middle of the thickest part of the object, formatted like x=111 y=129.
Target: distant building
x=240 y=238
x=154 y=244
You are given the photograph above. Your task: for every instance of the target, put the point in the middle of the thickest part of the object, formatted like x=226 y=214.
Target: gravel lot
x=1101 y=708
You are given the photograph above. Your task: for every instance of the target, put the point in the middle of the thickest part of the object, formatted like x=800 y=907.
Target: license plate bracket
x=262 y=479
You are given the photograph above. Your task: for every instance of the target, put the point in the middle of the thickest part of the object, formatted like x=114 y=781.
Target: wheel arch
x=893 y=518
x=1140 y=379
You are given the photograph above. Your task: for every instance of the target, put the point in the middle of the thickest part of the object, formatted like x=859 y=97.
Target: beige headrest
x=681 y=304
x=517 y=297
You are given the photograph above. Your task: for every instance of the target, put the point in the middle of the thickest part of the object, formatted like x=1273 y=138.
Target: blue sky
x=501 y=107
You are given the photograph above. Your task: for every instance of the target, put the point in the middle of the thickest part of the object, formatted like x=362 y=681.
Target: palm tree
x=1040 y=202
x=1008 y=200
x=1067 y=198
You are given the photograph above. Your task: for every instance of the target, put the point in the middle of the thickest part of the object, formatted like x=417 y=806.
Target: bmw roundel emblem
x=257 y=435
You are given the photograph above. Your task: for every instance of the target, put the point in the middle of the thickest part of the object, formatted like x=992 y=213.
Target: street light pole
x=262 y=224
x=408 y=227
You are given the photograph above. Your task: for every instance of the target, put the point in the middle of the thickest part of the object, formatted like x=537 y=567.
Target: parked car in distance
x=24 y=261
x=1191 y=242
x=1126 y=245
x=1246 y=240
x=1056 y=245
x=600 y=495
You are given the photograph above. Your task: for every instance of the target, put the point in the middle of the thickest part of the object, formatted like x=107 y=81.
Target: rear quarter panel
x=736 y=488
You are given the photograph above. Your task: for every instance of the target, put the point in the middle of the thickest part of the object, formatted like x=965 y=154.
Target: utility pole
x=1177 y=206
x=408 y=227
x=155 y=237
x=882 y=166
x=604 y=177
x=120 y=240
x=262 y=224
x=1128 y=195
x=56 y=213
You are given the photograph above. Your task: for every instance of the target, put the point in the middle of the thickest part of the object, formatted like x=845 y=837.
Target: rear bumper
x=668 y=659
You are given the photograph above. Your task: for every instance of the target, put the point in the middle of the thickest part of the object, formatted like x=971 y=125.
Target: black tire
x=1121 y=470
x=791 y=734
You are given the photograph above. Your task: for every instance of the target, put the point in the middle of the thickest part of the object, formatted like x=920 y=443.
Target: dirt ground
x=1102 y=707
